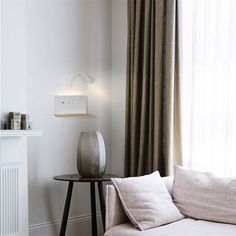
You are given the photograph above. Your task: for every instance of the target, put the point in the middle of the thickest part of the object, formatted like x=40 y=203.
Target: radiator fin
x=9 y=200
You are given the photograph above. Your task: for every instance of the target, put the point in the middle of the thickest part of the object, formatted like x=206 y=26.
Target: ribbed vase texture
x=91 y=155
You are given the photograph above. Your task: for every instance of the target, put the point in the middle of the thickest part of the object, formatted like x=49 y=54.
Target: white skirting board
x=77 y=226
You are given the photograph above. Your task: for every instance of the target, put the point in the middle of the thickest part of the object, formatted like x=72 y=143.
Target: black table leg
x=66 y=209
x=102 y=202
x=93 y=209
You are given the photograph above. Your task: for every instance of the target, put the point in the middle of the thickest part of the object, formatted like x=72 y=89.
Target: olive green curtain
x=153 y=137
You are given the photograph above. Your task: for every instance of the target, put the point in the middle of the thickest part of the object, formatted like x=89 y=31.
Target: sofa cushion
x=204 y=196
x=184 y=227
x=114 y=211
x=146 y=201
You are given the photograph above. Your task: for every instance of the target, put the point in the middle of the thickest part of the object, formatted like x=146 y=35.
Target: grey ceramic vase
x=91 y=155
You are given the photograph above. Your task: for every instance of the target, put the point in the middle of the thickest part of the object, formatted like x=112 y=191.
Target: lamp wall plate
x=71 y=104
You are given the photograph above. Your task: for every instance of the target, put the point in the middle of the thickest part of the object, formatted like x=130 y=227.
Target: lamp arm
x=70 y=81
x=85 y=77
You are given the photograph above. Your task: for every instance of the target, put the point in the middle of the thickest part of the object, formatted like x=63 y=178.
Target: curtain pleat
x=152 y=107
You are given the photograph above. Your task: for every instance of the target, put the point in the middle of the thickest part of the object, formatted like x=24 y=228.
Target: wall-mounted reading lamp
x=73 y=105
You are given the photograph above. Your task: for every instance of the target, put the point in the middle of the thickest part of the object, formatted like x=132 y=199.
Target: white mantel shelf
x=20 y=133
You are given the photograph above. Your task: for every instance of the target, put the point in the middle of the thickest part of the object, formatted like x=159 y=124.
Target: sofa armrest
x=115 y=214
x=169 y=181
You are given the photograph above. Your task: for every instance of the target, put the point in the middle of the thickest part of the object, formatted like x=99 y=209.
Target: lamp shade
x=91 y=155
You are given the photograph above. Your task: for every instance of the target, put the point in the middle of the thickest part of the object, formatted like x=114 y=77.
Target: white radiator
x=9 y=200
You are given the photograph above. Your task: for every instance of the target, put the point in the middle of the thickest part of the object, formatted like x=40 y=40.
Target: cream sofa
x=117 y=223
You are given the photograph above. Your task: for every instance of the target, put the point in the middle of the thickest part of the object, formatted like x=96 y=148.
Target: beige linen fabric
x=146 y=201
x=204 y=196
x=184 y=227
x=115 y=214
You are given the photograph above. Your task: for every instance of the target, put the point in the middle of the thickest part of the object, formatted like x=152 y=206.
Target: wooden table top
x=78 y=178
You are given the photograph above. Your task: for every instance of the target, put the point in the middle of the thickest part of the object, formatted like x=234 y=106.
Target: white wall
x=13 y=151
x=63 y=37
x=119 y=44
x=13 y=56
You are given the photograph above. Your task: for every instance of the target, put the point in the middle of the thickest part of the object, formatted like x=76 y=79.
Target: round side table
x=71 y=178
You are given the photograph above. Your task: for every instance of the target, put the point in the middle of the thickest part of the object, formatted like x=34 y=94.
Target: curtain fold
x=153 y=134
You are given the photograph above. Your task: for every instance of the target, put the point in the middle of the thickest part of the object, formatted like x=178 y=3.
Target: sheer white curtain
x=208 y=32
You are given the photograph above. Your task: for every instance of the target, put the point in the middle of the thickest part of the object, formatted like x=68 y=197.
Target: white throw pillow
x=204 y=196
x=146 y=201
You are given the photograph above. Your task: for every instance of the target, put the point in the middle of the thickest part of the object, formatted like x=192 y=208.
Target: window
x=208 y=86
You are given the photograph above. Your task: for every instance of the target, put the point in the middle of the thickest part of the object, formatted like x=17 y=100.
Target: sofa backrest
x=115 y=214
